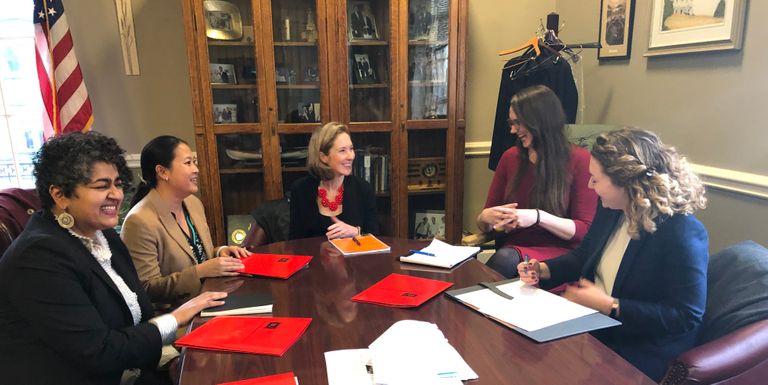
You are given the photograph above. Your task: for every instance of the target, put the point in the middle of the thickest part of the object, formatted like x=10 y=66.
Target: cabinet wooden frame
x=333 y=52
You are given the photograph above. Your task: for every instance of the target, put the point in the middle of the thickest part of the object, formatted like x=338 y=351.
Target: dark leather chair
x=16 y=206
x=271 y=222
x=734 y=341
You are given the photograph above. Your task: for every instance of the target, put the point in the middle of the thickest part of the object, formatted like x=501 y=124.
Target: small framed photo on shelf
x=362 y=24
x=222 y=73
x=222 y=20
x=310 y=74
x=429 y=224
x=308 y=112
x=363 y=69
x=421 y=22
x=225 y=113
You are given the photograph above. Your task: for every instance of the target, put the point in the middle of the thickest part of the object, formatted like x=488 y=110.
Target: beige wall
x=710 y=105
x=134 y=109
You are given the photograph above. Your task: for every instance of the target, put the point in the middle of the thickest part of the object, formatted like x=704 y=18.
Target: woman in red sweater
x=538 y=199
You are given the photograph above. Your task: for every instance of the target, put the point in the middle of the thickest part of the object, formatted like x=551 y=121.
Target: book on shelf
x=240 y=304
x=373 y=166
x=361 y=244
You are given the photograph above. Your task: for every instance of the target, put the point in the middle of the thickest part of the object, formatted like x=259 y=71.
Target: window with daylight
x=21 y=124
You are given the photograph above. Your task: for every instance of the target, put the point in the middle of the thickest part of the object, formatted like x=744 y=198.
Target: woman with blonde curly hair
x=644 y=260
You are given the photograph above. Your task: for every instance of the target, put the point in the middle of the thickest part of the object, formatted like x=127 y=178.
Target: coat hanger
x=532 y=42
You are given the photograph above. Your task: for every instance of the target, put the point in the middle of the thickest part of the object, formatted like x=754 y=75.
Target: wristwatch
x=614 y=308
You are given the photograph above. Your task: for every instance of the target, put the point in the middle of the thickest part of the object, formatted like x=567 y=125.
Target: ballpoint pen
x=525 y=264
x=357 y=241
x=421 y=252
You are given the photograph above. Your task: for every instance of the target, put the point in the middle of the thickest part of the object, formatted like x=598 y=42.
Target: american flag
x=67 y=106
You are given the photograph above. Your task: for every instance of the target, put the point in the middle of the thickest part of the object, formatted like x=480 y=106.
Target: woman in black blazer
x=72 y=309
x=332 y=202
x=644 y=260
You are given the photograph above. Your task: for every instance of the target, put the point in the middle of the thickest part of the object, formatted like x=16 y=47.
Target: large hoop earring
x=65 y=220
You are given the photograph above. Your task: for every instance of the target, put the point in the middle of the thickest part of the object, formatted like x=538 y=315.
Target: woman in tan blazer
x=166 y=230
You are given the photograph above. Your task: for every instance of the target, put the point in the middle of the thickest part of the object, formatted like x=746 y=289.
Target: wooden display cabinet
x=266 y=73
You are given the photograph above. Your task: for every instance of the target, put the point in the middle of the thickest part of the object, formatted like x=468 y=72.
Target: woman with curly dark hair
x=644 y=260
x=72 y=309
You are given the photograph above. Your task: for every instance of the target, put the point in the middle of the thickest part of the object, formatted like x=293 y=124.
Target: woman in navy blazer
x=644 y=260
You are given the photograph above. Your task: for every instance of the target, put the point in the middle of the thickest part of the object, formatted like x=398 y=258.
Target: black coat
x=62 y=319
x=359 y=208
x=555 y=75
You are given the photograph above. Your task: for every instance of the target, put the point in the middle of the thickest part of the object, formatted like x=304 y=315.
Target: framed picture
x=225 y=113
x=362 y=24
x=616 y=19
x=222 y=73
x=222 y=20
x=362 y=67
x=429 y=224
x=422 y=21
x=683 y=26
x=310 y=74
x=308 y=112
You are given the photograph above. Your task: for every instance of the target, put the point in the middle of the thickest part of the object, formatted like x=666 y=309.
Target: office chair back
x=16 y=206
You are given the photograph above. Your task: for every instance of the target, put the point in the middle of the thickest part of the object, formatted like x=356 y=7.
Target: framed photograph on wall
x=222 y=73
x=225 y=113
x=362 y=23
x=684 y=26
x=616 y=19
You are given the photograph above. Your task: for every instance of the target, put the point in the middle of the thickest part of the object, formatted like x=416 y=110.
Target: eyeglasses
x=513 y=122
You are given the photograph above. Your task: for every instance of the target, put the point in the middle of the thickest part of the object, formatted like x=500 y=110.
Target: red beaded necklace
x=323 y=195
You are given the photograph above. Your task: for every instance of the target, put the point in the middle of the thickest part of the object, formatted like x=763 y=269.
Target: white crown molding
x=744 y=183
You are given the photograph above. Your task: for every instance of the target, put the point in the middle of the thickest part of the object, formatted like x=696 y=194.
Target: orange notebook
x=258 y=335
x=397 y=290
x=368 y=244
x=274 y=265
x=278 y=379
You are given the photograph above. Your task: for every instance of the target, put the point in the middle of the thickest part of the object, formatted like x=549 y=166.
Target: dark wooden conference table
x=323 y=291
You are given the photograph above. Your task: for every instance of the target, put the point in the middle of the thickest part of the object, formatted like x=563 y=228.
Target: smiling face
x=182 y=175
x=95 y=204
x=612 y=196
x=516 y=127
x=340 y=156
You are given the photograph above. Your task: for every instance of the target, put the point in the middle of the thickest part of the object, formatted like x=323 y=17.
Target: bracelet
x=538 y=218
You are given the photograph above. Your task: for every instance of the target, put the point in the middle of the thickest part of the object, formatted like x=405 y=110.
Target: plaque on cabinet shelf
x=237 y=228
x=222 y=20
x=426 y=174
x=362 y=24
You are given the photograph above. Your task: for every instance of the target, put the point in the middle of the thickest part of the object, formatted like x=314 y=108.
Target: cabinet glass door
x=232 y=61
x=297 y=70
x=370 y=83
x=428 y=59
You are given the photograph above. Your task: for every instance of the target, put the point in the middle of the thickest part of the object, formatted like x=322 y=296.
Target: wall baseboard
x=743 y=183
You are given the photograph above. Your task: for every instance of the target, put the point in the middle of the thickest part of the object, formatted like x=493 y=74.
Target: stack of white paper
x=531 y=309
x=408 y=353
x=442 y=254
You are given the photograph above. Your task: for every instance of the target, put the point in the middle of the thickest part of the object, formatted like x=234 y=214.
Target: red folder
x=257 y=335
x=397 y=290
x=277 y=379
x=274 y=265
